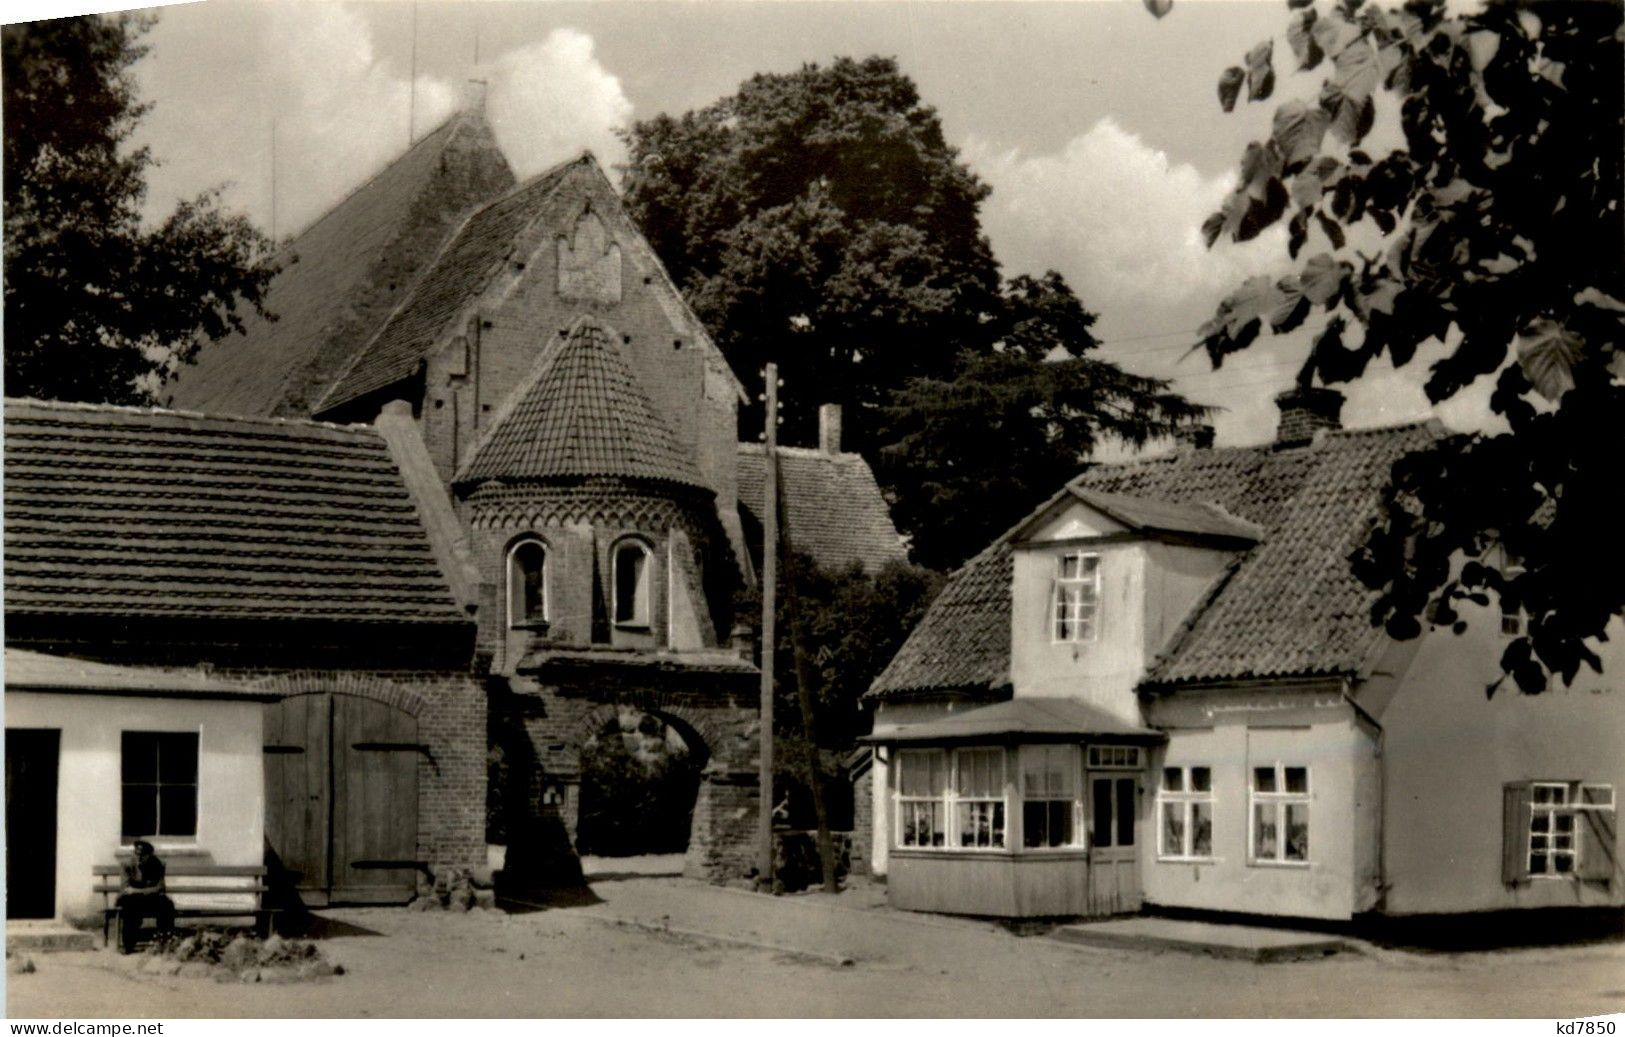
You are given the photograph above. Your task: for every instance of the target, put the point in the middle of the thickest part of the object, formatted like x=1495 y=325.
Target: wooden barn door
x=342 y=796
x=375 y=802
x=298 y=780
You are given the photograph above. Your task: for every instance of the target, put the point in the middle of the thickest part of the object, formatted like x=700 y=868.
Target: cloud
x=341 y=110
x=549 y=100
x=1123 y=224
x=1121 y=221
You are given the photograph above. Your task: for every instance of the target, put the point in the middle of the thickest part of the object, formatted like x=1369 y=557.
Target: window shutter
x=1515 y=833
x=1598 y=849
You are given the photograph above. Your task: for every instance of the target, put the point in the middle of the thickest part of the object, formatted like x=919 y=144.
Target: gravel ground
x=635 y=952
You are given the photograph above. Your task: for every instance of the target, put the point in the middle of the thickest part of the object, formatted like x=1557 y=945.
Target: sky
x=1096 y=125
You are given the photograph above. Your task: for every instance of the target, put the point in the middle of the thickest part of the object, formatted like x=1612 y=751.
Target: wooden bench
x=197 y=891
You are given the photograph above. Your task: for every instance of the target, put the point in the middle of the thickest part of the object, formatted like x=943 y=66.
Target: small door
x=31 y=775
x=1114 y=868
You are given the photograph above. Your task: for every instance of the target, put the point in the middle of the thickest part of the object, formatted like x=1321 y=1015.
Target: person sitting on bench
x=143 y=896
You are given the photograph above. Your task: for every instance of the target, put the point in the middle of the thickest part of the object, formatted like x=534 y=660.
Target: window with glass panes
x=979 y=803
x=158 y=778
x=922 y=781
x=1280 y=815
x=1076 y=597
x=1185 y=806
x=1049 y=792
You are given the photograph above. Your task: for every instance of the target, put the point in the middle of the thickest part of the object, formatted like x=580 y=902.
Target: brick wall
x=863 y=822
x=539 y=731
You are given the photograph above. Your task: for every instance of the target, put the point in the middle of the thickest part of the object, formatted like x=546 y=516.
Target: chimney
x=474 y=96
x=1198 y=436
x=1306 y=410
x=829 y=428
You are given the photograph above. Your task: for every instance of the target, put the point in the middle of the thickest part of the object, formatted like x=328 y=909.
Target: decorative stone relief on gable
x=590 y=263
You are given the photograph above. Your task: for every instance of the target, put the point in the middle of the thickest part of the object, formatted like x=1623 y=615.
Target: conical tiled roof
x=582 y=413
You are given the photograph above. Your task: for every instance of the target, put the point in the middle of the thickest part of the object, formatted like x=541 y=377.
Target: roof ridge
x=802 y=451
x=173 y=412
x=327 y=401
x=451 y=121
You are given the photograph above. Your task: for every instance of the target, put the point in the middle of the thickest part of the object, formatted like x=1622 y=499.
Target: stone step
x=47 y=937
x=1216 y=939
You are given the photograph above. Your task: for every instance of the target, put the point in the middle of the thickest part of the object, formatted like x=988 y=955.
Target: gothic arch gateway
x=554 y=708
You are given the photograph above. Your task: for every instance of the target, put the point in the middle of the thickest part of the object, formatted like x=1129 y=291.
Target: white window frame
x=994 y=806
x=1278 y=800
x=517 y=621
x=902 y=803
x=1062 y=598
x=1573 y=805
x=1185 y=799
x=950 y=800
x=643 y=595
x=1074 y=768
x=1114 y=758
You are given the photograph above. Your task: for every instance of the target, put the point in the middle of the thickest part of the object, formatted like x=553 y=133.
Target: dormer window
x=527 y=584
x=632 y=558
x=1076 y=597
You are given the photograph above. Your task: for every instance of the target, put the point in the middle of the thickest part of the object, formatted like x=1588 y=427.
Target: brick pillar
x=722 y=839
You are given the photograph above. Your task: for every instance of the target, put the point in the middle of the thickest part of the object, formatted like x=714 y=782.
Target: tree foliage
x=971 y=453
x=819 y=219
x=1495 y=227
x=98 y=307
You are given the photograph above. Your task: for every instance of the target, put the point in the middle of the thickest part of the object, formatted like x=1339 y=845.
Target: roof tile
x=833 y=509
x=582 y=414
x=114 y=510
x=1290 y=607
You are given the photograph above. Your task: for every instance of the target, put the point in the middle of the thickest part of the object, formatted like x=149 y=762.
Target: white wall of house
x=231 y=779
x=880 y=801
x=1449 y=753
x=1147 y=588
x=1232 y=733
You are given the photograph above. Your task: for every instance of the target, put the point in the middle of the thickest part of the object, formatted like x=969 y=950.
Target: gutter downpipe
x=1382 y=791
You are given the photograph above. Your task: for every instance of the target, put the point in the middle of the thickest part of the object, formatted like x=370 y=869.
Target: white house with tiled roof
x=1196 y=713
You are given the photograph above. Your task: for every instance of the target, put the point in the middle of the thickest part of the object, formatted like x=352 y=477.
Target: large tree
x=1493 y=227
x=819 y=219
x=97 y=306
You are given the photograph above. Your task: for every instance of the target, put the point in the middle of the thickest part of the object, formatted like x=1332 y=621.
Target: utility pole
x=412 y=95
x=770 y=575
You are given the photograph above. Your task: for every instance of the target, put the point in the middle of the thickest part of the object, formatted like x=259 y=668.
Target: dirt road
x=585 y=961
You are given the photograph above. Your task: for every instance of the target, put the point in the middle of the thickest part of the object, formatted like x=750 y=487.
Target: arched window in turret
x=632 y=564
x=527 y=584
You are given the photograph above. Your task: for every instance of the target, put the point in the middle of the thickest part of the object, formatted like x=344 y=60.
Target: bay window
x=979 y=785
x=1049 y=793
x=921 y=784
x=1185 y=807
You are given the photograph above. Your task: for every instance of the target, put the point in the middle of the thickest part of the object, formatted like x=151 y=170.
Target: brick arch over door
x=341 y=787
x=551 y=727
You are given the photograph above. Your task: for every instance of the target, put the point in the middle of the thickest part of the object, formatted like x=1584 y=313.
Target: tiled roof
x=344 y=274
x=1289 y=608
x=833 y=509
x=962 y=644
x=582 y=413
x=458 y=275
x=1149 y=515
x=116 y=511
